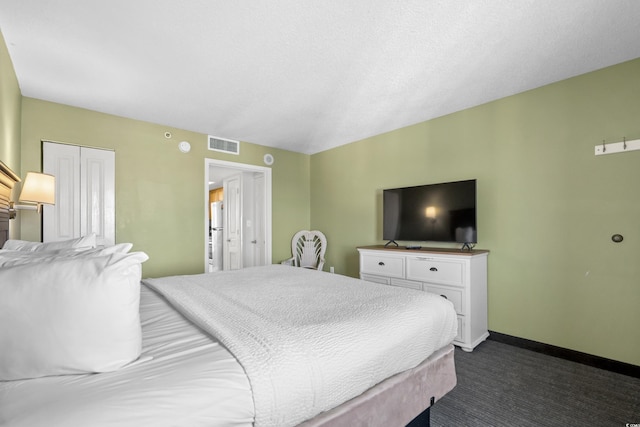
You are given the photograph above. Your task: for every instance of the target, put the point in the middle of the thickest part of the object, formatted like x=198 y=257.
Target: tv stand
x=467 y=246
x=390 y=242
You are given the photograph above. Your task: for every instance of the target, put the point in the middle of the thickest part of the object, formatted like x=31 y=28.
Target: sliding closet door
x=85 y=193
x=97 y=194
x=62 y=220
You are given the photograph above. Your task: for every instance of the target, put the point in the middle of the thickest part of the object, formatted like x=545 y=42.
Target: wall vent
x=224 y=145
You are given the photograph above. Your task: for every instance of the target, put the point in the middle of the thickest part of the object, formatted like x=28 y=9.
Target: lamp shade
x=38 y=188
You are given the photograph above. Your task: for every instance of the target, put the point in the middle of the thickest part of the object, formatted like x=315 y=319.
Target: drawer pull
x=433 y=269
x=381 y=263
x=444 y=296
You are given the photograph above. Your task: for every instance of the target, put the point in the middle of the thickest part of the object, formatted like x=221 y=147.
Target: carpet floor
x=504 y=385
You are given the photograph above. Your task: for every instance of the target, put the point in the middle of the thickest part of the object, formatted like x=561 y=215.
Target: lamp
x=38 y=188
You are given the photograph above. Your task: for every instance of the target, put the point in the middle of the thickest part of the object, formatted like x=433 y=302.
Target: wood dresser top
x=448 y=251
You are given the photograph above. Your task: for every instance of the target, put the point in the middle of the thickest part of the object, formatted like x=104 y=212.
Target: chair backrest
x=308 y=249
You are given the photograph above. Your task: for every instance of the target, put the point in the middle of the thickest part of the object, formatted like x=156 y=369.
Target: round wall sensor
x=184 y=146
x=617 y=238
x=268 y=159
x=167 y=135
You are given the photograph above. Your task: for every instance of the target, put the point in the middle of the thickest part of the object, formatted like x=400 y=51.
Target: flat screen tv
x=444 y=212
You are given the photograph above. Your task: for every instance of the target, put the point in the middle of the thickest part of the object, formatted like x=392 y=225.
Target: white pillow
x=9 y=258
x=121 y=248
x=20 y=245
x=70 y=315
x=84 y=242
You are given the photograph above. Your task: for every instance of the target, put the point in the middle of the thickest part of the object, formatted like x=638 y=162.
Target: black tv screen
x=444 y=212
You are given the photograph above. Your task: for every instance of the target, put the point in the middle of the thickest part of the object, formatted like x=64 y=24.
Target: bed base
x=422 y=420
x=402 y=400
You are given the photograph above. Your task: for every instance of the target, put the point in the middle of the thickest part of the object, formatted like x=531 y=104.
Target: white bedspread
x=310 y=340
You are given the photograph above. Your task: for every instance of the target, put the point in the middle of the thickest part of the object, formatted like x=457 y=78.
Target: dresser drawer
x=406 y=284
x=382 y=265
x=375 y=279
x=453 y=295
x=436 y=271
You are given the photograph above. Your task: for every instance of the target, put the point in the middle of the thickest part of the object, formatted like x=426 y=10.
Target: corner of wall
x=10 y=120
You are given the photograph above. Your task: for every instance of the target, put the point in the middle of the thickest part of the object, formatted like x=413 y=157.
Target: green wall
x=159 y=190
x=547 y=205
x=10 y=101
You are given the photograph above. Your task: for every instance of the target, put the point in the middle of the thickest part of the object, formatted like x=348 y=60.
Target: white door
x=259 y=242
x=97 y=195
x=216 y=171
x=232 y=251
x=61 y=221
x=85 y=193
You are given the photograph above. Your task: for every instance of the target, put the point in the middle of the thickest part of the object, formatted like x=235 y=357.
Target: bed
x=267 y=346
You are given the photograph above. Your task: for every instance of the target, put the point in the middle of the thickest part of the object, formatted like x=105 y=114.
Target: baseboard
x=564 y=353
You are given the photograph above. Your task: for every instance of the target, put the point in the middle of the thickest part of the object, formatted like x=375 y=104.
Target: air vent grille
x=224 y=145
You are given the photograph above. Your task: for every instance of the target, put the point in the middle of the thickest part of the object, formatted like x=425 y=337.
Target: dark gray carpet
x=503 y=385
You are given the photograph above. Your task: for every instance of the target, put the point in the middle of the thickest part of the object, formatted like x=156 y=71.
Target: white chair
x=308 y=248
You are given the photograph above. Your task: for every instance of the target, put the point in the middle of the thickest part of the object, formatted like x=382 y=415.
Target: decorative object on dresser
x=457 y=275
x=308 y=249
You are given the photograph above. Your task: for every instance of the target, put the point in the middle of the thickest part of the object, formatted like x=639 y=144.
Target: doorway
x=242 y=236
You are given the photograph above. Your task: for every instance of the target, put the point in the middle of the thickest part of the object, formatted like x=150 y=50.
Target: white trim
x=617 y=147
x=267 y=200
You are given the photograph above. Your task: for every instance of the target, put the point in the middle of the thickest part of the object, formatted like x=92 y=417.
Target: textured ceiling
x=306 y=75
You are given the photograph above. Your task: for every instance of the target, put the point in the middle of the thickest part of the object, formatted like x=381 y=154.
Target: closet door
x=62 y=220
x=85 y=193
x=97 y=194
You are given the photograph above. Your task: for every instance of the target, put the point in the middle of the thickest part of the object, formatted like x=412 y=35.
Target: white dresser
x=459 y=276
